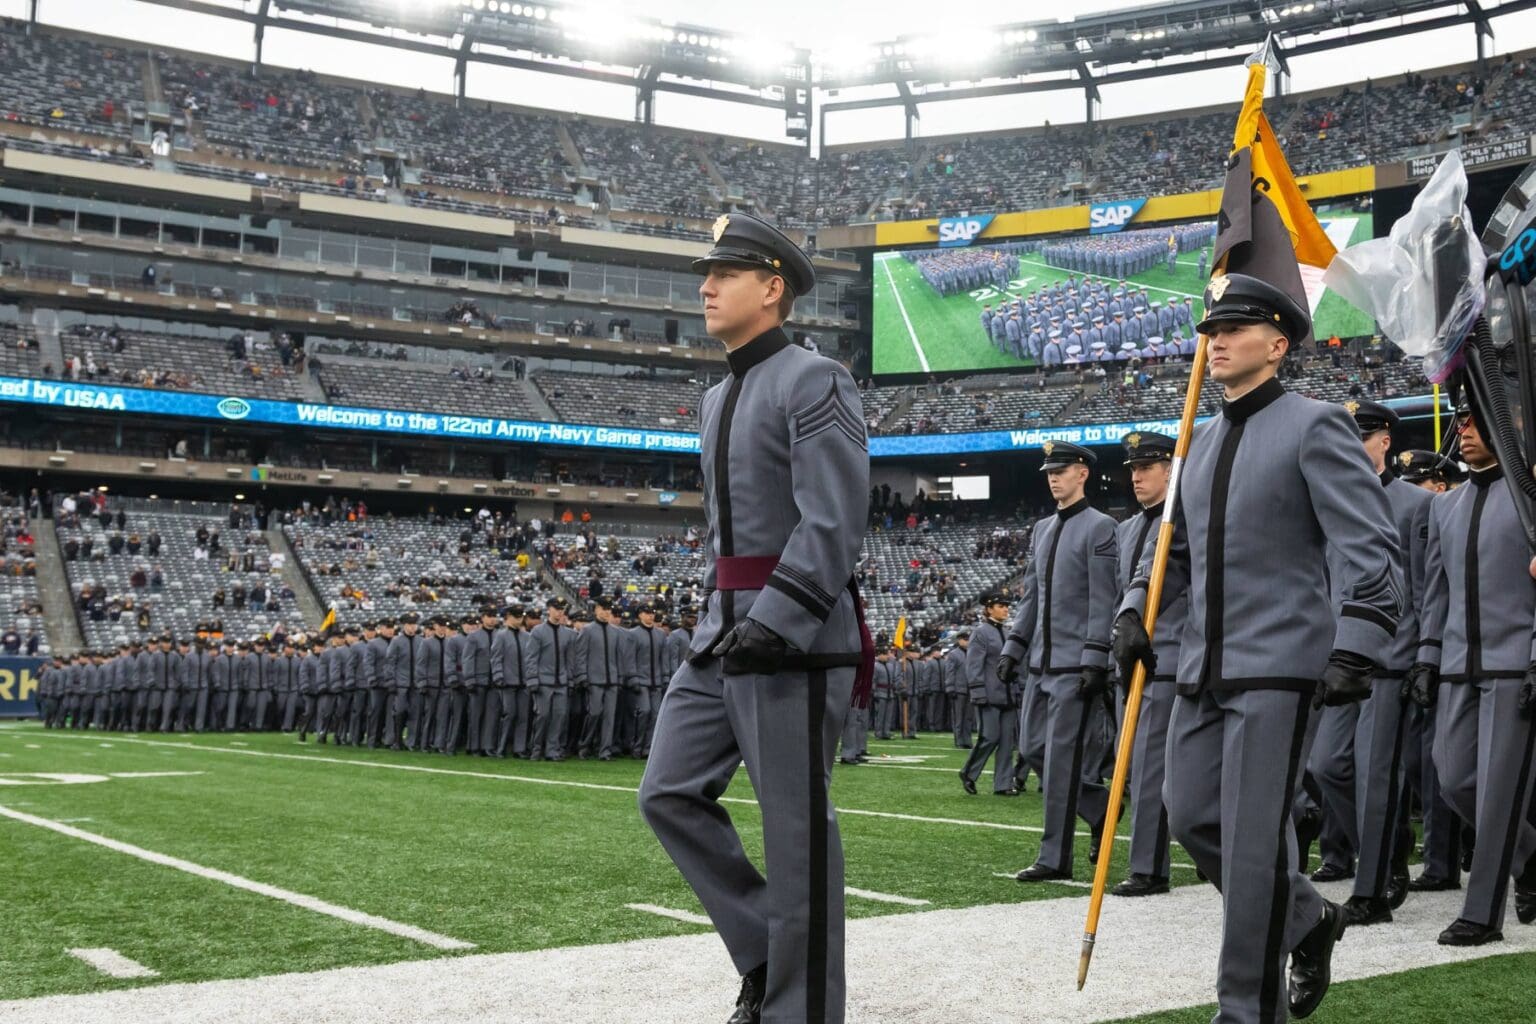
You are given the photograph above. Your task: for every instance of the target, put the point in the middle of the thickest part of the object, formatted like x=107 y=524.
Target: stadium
x=327 y=324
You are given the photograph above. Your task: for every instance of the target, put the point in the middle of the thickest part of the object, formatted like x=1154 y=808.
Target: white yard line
x=1073 y=883
x=113 y=964
x=922 y=357
x=885 y=897
x=319 y=906
x=918 y=968
x=676 y=915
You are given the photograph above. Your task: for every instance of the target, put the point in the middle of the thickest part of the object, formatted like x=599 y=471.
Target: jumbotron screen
x=995 y=304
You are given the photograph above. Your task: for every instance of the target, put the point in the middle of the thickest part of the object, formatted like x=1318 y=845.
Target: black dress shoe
x=1042 y=873
x=1141 y=885
x=967 y=784
x=749 y=1005
x=847 y=761
x=1312 y=962
x=1397 y=890
x=1005 y=792
x=1469 y=933
x=1332 y=873
x=1525 y=904
x=1360 y=911
x=1429 y=883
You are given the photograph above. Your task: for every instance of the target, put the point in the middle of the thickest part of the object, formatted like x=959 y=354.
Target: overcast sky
x=811 y=23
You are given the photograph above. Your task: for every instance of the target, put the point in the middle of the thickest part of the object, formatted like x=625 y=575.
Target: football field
x=248 y=878
x=917 y=330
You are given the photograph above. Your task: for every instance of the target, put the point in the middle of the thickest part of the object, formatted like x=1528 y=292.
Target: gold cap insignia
x=1352 y=406
x=721 y=223
x=1048 y=447
x=1134 y=440
x=1406 y=458
x=1218 y=287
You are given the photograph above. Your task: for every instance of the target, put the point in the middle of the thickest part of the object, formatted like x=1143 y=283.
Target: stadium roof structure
x=652 y=55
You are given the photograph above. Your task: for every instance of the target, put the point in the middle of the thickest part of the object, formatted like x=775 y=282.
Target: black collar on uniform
x=1073 y=509
x=1484 y=477
x=1253 y=402
x=769 y=343
x=1153 y=511
x=1387 y=477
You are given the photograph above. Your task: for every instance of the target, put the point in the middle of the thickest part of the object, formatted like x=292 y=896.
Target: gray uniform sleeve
x=1175 y=575
x=1437 y=593
x=1351 y=506
x=1103 y=589
x=829 y=467
x=975 y=670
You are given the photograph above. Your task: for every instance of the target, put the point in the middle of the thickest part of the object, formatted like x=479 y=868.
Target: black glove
x=1007 y=667
x=751 y=648
x=1346 y=680
x=1093 y=682
x=1130 y=644
x=1527 y=703
x=1422 y=682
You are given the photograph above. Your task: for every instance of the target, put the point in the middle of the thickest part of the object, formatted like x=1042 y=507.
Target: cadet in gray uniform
x=995 y=697
x=1149 y=455
x=381 y=681
x=1062 y=626
x=1479 y=620
x=957 y=689
x=401 y=678
x=171 y=691
x=336 y=668
x=1436 y=474
x=1269 y=484
x=221 y=676
x=651 y=668
x=604 y=655
x=885 y=694
x=772 y=667
x=512 y=673
x=311 y=687
x=1381 y=832
x=554 y=652
x=431 y=670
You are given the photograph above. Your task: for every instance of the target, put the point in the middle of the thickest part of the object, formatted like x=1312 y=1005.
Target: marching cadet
x=512 y=673
x=312 y=683
x=239 y=687
x=1062 y=627
x=911 y=700
x=651 y=667
x=679 y=638
x=554 y=644
x=161 y=719
x=995 y=696
x=785 y=464
x=1270 y=483
x=153 y=670
x=127 y=678
x=181 y=699
x=381 y=681
x=957 y=690
x=336 y=670
x=603 y=657
x=48 y=683
x=73 y=691
x=1149 y=456
x=401 y=660
x=221 y=671
x=1378 y=831
x=469 y=672
x=359 y=682
x=287 y=682
x=431 y=670
x=1477 y=662
x=1436 y=474
x=885 y=690
x=196 y=677
x=263 y=683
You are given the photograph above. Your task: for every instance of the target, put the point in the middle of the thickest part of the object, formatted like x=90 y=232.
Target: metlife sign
x=1106 y=217
x=957 y=231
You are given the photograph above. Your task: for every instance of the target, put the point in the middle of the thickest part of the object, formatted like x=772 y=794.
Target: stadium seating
x=630 y=568
x=893 y=587
x=424 y=387
x=386 y=567
x=624 y=401
x=21 y=602
x=190 y=582
x=983 y=403
x=181 y=363
x=62 y=81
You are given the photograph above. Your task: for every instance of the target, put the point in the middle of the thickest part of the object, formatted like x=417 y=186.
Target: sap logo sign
x=234 y=408
x=1106 y=217
x=1518 y=261
x=955 y=231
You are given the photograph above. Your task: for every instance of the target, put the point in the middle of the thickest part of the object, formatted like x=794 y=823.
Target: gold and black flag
x=1265 y=227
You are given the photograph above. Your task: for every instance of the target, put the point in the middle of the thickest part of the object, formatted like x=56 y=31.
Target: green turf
x=1501 y=989
x=506 y=865
x=948 y=328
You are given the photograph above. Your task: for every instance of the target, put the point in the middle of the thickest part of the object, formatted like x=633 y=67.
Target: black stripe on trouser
x=1517 y=817
x=1396 y=800
x=816 y=848
x=1160 y=868
x=1270 y=988
x=1076 y=786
